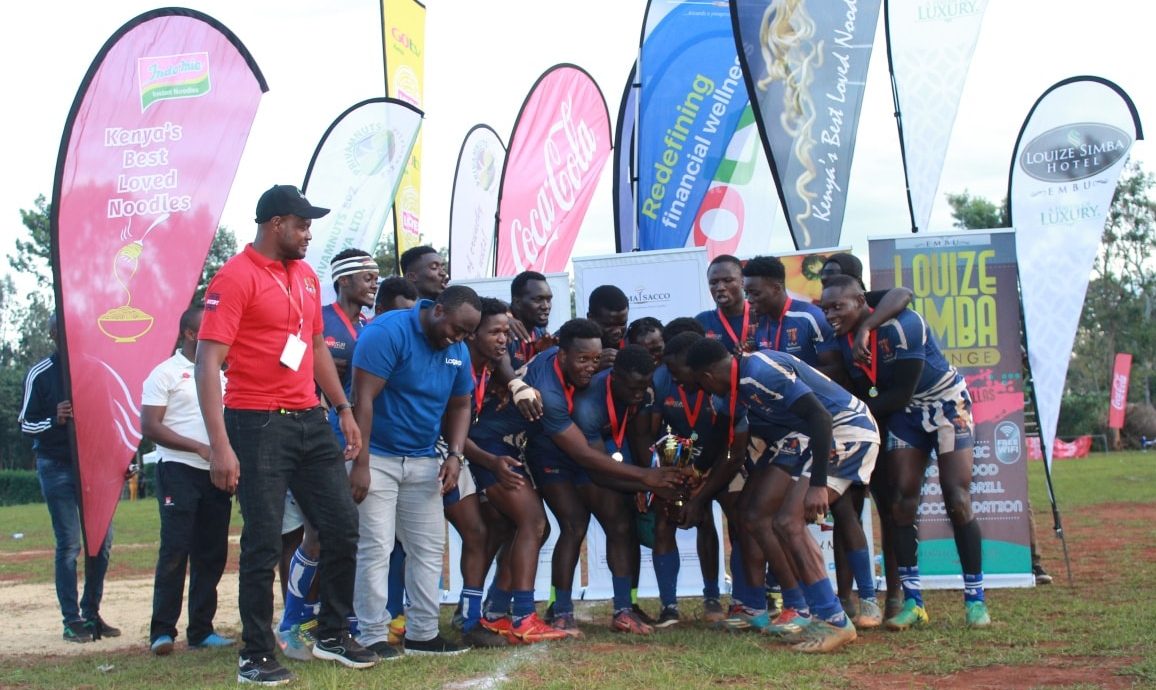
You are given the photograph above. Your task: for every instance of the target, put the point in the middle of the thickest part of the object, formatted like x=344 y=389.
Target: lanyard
x=618 y=432
x=289 y=294
x=345 y=320
x=779 y=330
x=526 y=348
x=691 y=417
x=480 y=390
x=738 y=344
x=566 y=389
x=733 y=401
x=871 y=371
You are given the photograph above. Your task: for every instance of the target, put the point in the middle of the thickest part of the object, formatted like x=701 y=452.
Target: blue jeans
x=296 y=451
x=58 y=483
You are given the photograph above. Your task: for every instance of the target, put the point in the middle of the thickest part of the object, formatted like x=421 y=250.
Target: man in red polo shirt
x=263 y=319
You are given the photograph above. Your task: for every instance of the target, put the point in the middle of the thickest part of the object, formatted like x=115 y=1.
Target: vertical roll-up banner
x=692 y=97
x=965 y=288
x=805 y=64
x=625 y=228
x=355 y=171
x=148 y=155
x=1068 y=158
x=403 y=41
x=929 y=49
x=474 y=204
x=1118 y=404
x=558 y=147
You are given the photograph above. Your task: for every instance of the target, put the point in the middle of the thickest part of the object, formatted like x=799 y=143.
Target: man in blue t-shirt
x=411 y=381
x=731 y=321
x=924 y=404
x=780 y=390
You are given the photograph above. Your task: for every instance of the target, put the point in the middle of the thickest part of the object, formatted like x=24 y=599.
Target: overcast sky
x=483 y=55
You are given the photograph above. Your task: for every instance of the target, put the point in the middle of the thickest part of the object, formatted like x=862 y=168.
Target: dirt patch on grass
x=1052 y=672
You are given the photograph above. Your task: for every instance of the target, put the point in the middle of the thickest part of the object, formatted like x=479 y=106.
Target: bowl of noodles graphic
x=125 y=324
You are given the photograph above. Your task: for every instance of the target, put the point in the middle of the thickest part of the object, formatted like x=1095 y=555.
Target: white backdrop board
x=500 y=288
x=665 y=284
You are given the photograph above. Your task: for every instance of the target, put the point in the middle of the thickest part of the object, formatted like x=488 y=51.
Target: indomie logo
x=172 y=77
x=1074 y=152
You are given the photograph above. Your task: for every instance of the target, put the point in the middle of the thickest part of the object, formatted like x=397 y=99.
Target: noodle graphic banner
x=1068 y=158
x=929 y=49
x=559 y=144
x=403 y=39
x=625 y=232
x=692 y=97
x=355 y=172
x=148 y=155
x=474 y=204
x=964 y=285
x=805 y=64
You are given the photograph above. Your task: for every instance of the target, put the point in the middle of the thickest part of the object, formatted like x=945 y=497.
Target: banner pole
x=898 y=113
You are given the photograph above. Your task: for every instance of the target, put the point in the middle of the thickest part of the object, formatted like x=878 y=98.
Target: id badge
x=294 y=351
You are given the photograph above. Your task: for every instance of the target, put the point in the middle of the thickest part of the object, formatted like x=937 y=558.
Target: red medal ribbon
x=779 y=330
x=691 y=417
x=616 y=431
x=872 y=370
x=568 y=390
x=480 y=382
x=738 y=344
x=733 y=401
x=345 y=320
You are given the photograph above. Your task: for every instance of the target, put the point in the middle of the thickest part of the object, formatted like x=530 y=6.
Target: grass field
x=1101 y=633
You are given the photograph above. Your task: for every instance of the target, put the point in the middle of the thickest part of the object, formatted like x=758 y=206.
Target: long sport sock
x=909 y=580
x=824 y=604
x=471 y=607
x=621 y=587
x=710 y=588
x=864 y=572
x=499 y=603
x=741 y=590
x=972 y=587
x=298 y=608
x=395 y=586
x=523 y=605
x=666 y=567
x=969 y=544
x=794 y=598
x=553 y=597
x=633 y=596
x=563 y=603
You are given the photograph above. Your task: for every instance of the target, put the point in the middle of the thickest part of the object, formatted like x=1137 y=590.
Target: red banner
x=1078 y=447
x=1119 y=400
x=559 y=144
x=149 y=152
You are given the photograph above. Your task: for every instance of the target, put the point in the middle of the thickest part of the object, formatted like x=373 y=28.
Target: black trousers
x=291 y=450
x=194 y=533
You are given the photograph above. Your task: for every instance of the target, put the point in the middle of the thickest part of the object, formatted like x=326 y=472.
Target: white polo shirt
x=171 y=385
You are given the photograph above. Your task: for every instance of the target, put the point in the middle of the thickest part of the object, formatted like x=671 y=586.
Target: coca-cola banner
x=929 y=48
x=625 y=230
x=1068 y=158
x=559 y=144
x=355 y=172
x=965 y=288
x=146 y=161
x=474 y=204
x=805 y=65
x=1121 y=372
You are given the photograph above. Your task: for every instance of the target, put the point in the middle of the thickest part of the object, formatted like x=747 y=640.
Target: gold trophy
x=674 y=451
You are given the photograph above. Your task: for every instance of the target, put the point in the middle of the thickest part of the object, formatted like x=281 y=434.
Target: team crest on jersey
x=790 y=446
x=793 y=338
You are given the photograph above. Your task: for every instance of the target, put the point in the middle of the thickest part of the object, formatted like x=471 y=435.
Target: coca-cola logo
x=1119 y=391
x=1074 y=152
x=567 y=153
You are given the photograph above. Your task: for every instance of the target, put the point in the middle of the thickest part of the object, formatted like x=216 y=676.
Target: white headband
x=354 y=264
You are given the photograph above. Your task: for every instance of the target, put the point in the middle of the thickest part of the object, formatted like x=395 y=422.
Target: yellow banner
x=403 y=31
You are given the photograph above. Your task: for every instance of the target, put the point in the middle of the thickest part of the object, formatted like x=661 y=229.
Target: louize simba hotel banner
x=965 y=288
x=805 y=64
x=1069 y=155
x=146 y=161
x=354 y=172
x=559 y=144
x=929 y=48
x=692 y=96
x=474 y=204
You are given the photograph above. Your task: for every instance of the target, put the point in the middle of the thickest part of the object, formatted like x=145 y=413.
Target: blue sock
x=710 y=588
x=621 y=586
x=523 y=604
x=741 y=590
x=354 y=629
x=563 y=601
x=298 y=608
x=794 y=598
x=499 y=603
x=471 y=607
x=864 y=572
x=972 y=587
x=821 y=596
x=395 y=587
x=666 y=567
x=912 y=588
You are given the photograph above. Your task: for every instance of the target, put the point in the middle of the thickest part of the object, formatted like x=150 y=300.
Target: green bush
x=1083 y=413
x=18 y=487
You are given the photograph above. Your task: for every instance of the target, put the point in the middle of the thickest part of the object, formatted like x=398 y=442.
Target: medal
x=616 y=456
x=873 y=392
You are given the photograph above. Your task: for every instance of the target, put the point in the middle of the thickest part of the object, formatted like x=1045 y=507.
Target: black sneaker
x=75 y=631
x=437 y=646
x=262 y=670
x=385 y=651
x=548 y=617
x=1042 y=577
x=97 y=628
x=668 y=617
x=345 y=650
x=643 y=615
x=482 y=638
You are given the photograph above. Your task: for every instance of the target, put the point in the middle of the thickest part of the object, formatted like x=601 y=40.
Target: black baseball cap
x=285 y=200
